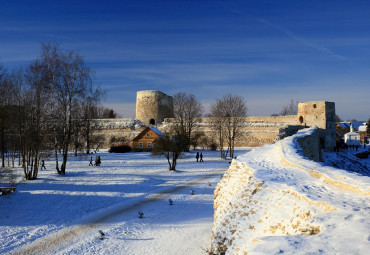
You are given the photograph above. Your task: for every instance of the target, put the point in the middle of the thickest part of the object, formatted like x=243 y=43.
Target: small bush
x=213 y=146
x=123 y=148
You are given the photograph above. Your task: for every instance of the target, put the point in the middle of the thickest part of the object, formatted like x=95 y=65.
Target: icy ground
x=62 y=214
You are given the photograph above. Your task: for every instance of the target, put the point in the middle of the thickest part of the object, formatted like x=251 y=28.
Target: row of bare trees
x=47 y=105
x=228 y=117
x=227 y=120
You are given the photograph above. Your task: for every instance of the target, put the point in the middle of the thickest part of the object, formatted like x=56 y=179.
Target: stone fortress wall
x=115 y=131
x=256 y=131
x=155 y=106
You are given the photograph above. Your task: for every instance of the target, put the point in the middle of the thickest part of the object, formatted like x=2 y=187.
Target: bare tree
x=19 y=112
x=46 y=102
x=90 y=111
x=171 y=147
x=7 y=108
x=23 y=111
x=337 y=119
x=51 y=57
x=290 y=109
x=34 y=118
x=103 y=112
x=75 y=83
x=5 y=102
x=228 y=117
x=186 y=109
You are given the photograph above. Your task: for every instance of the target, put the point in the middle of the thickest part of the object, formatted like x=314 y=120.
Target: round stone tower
x=153 y=106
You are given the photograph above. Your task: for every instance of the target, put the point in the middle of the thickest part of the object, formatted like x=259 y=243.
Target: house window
x=149 y=145
x=147 y=134
x=140 y=145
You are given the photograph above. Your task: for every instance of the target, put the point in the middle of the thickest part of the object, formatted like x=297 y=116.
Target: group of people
x=97 y=161
x=199 y=157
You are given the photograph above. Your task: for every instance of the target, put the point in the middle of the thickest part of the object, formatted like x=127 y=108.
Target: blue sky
x=269 y=52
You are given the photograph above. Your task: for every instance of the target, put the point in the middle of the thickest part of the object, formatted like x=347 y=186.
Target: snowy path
x=63 y=214
x=291 y=205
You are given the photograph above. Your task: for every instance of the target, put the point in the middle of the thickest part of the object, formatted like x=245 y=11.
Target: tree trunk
x=76 y=143
x=88 y=137
x=173 y=168
x=65 y=152
x=56 y=151
x=63 y=168
x=2 y=149
x=35 y=167
x=174 y=160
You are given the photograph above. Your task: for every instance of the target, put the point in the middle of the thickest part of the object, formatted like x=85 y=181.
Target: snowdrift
x=274 y=200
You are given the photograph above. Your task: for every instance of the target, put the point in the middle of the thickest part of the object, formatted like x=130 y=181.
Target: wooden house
x=343 y=128
x=146 y=139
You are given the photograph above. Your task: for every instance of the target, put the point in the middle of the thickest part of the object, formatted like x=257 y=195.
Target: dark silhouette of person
x=97 y=161
x=201 y=157
x=43 y=164
x=197 y=156
x=91 y=162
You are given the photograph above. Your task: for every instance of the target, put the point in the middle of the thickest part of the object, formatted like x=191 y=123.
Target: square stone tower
x=322 y=115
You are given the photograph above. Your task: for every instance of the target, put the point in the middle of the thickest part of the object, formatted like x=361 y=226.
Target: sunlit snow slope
x=272 y=200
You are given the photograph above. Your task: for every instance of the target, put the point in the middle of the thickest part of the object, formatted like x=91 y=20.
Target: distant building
x=352 y=138
x=146 y=139
x=364 y=135
x=356 y=125
x=343 y=127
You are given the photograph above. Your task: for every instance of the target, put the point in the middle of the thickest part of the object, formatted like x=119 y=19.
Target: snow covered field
x=62 y=214
x=271 y=201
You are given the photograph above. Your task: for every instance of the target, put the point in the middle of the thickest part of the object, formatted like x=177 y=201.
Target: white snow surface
x=58 y=214
x=270 y=197
x=274 y=201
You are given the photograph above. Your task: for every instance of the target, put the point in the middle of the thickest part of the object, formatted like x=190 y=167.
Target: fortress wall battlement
x=155 y=106
x=256 y=131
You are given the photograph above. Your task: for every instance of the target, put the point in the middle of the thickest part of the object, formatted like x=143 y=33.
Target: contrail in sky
x=289 y=34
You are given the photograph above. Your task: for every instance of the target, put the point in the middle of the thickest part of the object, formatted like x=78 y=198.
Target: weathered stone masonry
x=153 y=106
x=156 y=108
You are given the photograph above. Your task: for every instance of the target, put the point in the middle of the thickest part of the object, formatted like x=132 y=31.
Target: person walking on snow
x=97 y=161
x=43 y=164
x=201 y=157
x=91 y=163
x=197 y=156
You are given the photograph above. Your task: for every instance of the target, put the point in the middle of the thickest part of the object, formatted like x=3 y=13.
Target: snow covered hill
x=272 y=201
